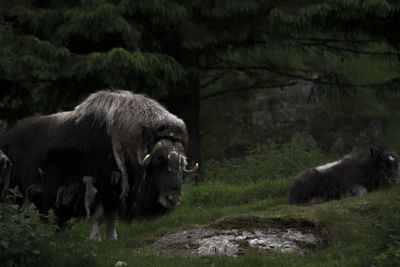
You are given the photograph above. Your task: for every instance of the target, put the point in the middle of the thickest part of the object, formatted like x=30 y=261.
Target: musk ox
x=116 y=155
x=352 y=175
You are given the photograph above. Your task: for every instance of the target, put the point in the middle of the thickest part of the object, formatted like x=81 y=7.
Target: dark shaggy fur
x=5 y=169
x=352 y=175
x=106 y=138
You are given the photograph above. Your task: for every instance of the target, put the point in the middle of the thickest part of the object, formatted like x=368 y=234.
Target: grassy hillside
x=359 y=231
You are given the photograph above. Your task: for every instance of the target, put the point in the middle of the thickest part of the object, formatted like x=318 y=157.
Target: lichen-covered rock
x=235 y=242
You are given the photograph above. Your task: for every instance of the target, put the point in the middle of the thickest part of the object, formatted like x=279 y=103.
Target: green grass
x=362 y=231
x=221 y=195
x=352 y=224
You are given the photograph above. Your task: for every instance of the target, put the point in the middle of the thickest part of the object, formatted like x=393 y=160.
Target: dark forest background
x=199 y=57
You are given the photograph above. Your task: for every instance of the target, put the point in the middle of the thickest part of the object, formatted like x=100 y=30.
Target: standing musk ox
x=352 y=175
x=116 y=155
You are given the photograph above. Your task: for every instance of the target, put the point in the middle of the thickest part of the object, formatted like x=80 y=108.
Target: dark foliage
x=26 y=239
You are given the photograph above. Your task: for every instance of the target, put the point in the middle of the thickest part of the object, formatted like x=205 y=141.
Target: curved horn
x=196 y=166
x=146 y=160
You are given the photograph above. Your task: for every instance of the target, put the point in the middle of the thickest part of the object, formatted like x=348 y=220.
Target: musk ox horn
x=196 y=166
x=146 y=160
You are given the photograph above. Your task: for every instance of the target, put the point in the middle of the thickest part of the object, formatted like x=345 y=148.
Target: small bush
x=25 y=239
x=29 y=238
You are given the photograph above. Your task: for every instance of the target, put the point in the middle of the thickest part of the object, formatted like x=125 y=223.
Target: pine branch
x=213 y=80
x=354 y=49
x=257 y=85
x=323 y=78
x=333 y=40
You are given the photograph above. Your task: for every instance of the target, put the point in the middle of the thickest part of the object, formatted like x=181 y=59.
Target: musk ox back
x=117 y=154
x=352 y=175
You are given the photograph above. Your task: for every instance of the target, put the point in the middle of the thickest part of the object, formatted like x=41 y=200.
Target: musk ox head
x=165 y=166
x=387 y=161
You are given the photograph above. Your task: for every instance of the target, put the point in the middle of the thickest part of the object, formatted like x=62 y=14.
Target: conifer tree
x=53 y=53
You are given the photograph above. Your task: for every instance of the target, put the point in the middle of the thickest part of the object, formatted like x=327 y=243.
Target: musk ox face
x=387 y=161
x=165 y=168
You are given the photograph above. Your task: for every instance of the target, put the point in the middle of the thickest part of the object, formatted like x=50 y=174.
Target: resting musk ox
x=116 y=155
x=352 y=175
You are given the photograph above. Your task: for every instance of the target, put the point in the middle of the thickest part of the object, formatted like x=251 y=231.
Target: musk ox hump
x=127 y=112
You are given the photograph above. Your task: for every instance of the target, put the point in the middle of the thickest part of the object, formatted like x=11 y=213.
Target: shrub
x=25 y=239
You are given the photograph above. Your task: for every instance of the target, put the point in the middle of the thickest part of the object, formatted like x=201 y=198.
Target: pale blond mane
x=123 y=110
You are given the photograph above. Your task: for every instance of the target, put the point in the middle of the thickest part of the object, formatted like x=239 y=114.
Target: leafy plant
x=26 y=238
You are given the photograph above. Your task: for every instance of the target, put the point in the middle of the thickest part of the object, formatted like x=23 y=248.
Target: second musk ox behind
x=352 y=175
x=116 y=155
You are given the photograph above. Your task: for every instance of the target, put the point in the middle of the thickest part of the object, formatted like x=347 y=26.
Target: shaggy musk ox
x=116 y=155
x=352 y=175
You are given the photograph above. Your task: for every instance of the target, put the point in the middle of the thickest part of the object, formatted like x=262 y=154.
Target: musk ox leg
x=118 y=152
x=90 y=193
x=96 y=221
x=358 y=190
x=60 y=193
x=111 y=219
x=25 y=204
x=5 y=171
x=115 y=177
x=34 y=191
